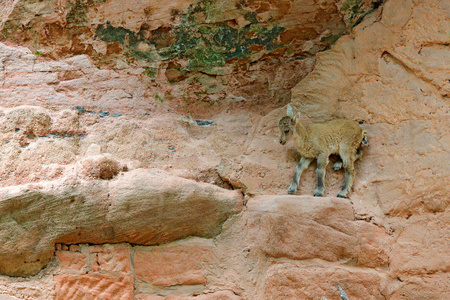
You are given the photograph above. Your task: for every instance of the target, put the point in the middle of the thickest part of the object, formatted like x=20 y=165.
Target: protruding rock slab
x=305 y=227
x=146 y=207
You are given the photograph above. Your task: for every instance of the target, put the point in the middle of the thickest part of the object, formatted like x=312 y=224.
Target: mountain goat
x=319 y=141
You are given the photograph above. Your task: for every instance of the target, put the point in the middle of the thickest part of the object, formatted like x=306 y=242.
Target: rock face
x=139 y=153
x=132 y=208
x=212 y=49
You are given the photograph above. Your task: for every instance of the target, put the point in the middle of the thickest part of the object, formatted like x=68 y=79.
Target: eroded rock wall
x=127 y=195
x=218 y=53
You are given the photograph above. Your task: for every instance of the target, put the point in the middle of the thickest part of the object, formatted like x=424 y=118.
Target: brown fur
x=319 y=141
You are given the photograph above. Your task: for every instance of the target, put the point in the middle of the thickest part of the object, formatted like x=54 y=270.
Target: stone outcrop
x=260 y=247
x=122 y=149
x=142 y=207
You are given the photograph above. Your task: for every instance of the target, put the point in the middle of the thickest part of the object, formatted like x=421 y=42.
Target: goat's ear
x=289 y=111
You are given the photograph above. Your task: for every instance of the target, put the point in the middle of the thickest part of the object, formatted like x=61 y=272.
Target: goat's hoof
x=342 y=195
x=292 y=190
x=337 y=166
x=318 y=194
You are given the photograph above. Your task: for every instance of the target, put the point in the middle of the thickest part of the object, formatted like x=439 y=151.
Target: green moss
x=128 y=39
x=204 y=57
x=77 y=10
x=354 y=13
x=109 y=33
x=214 y=71
x=251 y=17
x=205 y=46
x=77 y=14
x=213 y=44
x=353 y=5
x=151 y=72
x=331 y=40
x=159 y=98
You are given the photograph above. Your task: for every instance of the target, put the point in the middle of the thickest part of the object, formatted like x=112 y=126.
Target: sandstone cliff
x=139 y=154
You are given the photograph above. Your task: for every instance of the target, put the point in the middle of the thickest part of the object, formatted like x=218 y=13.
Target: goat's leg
x=302 y=165
x=339 y=164
x=322 y=162
x=349 y=178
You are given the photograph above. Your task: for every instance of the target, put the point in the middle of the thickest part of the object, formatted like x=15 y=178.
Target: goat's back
x=335 y=134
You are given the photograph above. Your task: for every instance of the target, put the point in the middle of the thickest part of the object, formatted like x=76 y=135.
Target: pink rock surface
x=6 y=297
x=172 y=265
x=286 y=281
x=115 y=258
x=282 y=224
x=92 y=286
x=72 y=262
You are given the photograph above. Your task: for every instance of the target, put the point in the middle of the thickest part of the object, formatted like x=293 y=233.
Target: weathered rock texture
x=139 y=154
x=220 y=53
x=140 y=207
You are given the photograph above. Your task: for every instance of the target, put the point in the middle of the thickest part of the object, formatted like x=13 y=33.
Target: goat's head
x=286 y=126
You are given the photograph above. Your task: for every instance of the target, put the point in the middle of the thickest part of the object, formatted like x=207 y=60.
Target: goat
x=319 y=141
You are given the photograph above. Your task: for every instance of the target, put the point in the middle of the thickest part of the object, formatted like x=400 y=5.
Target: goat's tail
x=365 y=139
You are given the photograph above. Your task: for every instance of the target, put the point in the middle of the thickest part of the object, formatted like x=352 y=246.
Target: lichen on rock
x=204 y=43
